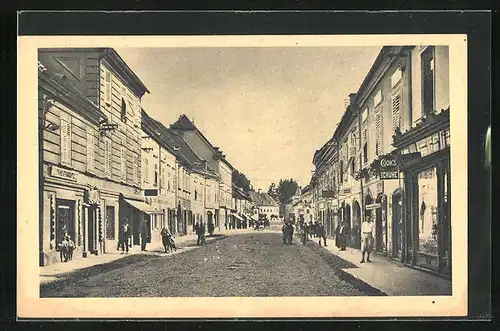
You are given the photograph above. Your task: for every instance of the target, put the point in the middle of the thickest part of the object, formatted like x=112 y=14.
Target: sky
x=268 y=109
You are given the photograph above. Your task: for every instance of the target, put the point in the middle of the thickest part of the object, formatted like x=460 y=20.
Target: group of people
x=66 y=248
x=287 y=230
x=199 y=229
x=367 y=239
x=314 y=230
x=125 y=236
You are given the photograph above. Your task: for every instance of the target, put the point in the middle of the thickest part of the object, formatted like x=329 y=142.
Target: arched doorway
x=381 y=224
x=356 y=225
x=397 y=224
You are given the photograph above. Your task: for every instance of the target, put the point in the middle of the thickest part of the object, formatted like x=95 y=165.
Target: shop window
x=427 y=60
x=427 y=244
x=65 y=220
x=110 y=222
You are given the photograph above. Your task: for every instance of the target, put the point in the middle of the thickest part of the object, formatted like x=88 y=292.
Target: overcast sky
x=268 y=109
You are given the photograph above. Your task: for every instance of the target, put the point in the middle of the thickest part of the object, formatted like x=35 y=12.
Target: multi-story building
x=304 y=209
x=264 y=205
x=215 y=159
x=158 y=177
x=239 y=218
x=104 y=145
x=393 y=157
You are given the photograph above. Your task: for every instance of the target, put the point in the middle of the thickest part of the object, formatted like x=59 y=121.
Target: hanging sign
x=388 y=168
x=373 y=206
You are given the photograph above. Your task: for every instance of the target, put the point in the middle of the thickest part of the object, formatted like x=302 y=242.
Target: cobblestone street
x=248 y=264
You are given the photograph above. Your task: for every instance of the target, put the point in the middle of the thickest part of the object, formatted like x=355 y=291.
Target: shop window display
x=428 y=249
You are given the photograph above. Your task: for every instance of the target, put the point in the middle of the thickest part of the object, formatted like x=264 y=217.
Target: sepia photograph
x=241 y=169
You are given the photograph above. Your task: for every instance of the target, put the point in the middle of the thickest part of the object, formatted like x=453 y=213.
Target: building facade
x=107 y=152
x=393 y=158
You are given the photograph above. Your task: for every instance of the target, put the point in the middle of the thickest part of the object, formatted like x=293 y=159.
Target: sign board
x=388 y=168
x=372 y=206
x=346 y=191
x=63 y=173
x=392 y=174
x=328 y=194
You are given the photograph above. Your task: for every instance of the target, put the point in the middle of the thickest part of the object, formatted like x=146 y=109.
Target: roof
x=178 y=146
x=185 y=124
x=70 y=94
x=262 y=199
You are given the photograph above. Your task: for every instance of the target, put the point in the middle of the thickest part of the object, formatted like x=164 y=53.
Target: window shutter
x=107 y=87
x=90 y=149
x=378 y=131
x=123 y=156
x=107 y=156
x=65 y=142
x=396 y=113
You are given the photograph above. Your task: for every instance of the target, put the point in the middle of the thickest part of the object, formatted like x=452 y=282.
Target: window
x=145 y=171
x=195 y=195
x=378 y=98
x=90 y=149
x=137 y=169
x=396 y=77
x=365 y=153
x=364 y=115
x=378 y=131
x=124 y=110
x=107 y=87
x=107 y=156
x=427 y=58
x=110 y=222
x=123 y=159
x=66 y=142
x=352 y=167
x=396 y=111
x=156 y=176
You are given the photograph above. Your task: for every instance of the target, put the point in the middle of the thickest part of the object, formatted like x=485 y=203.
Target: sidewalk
x=390 y=277
x=55 y=271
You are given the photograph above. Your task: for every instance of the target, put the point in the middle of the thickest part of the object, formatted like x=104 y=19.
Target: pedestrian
x=122 y=238
x=167 y=241
x=71 y=247
x=311 y=229
x=225 y=225
x=197 y=231
x=144 y=234
x=316 y=225
x=304 y=234
x=290 y=233
x=367 y=228
x=321 y=234
x=344 y=233
x=284 y=229
x=203 y=230
x=337 y=235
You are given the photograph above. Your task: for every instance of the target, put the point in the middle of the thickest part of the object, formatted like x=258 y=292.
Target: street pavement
x=251 y=264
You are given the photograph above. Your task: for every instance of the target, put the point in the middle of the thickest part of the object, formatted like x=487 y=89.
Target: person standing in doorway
x=367 y=228
x=144 y=234
x=122 y=238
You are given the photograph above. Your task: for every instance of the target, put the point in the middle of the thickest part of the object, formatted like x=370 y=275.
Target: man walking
x=366 y=238
x=321 y=234
x=344 y=234
x=290 y=233
x=284 y=229
x=197 y=231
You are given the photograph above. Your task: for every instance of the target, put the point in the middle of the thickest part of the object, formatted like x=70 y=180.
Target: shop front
x=425 y=161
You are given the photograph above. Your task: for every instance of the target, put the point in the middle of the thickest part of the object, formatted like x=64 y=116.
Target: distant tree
x=240 y=180
x=286 y=189
x=273 y=192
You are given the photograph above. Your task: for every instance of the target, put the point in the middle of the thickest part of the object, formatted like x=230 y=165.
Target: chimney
x=352 y=96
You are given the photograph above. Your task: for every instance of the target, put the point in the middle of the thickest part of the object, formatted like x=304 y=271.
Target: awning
x=142 y=206
x=237 y=216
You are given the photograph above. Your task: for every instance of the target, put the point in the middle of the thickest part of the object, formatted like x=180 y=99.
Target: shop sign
x=328 y=194
x=63 y=173
x=388 y=168
x=373 y=206
x=346 y=190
